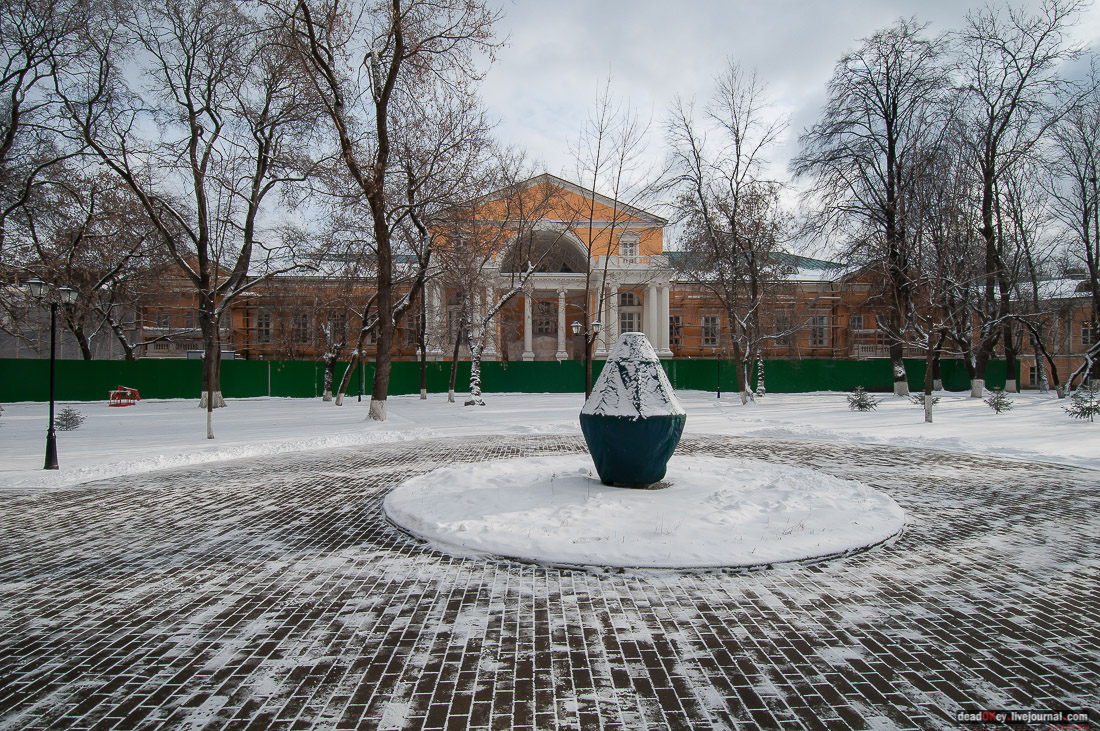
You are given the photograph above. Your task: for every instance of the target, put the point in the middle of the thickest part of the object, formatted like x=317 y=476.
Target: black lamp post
x=66 y=296
x=589 y=338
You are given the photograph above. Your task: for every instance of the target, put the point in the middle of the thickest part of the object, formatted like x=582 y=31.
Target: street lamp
x=66 y=296
x=589 y=338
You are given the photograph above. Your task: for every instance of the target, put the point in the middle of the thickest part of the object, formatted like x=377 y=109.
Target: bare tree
x=83 y=231
x=609 y=156
x=1075 y=192
x=1008 y=63
x=885 y=98
x=734 y=224
x=492 y=246
x=364 y=62
x=233 y=120
x=37 y=39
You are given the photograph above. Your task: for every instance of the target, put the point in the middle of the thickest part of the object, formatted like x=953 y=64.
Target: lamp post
x=589 y=338
x=66 y=296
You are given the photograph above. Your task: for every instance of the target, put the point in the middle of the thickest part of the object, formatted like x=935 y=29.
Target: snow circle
x=715 y=512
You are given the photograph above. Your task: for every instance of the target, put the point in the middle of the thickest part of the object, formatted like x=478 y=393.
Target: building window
x=629 y=299
x=629 y=322
x=711 y=324
x=1090 y=333
x=263 y=327
x=546 y=318
x=819 y=331
x=675 y=331
x=338 y=327
x=628 y=247
x=299 y=327
x=1032 y=375
x=783 y=329
x=855 y=322
x=164 y=320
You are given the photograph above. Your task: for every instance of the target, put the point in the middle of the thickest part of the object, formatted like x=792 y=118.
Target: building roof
x=795 y=268
x=547 y=178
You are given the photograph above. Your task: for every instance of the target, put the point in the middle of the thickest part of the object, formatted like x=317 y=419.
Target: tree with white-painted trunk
x=490 y=247
x=735 y=225
x=1007 y=72
x=610 y=156
x=209 y=118
x=380 y=71
x=885 y=97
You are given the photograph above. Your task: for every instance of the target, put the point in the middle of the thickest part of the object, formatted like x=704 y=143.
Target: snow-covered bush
x=69 y=419
x=917 y=399
x=860 y=400
x=1085 y=403
x=998 y=401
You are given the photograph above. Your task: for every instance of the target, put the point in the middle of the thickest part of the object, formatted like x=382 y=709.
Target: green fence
x=78 y=380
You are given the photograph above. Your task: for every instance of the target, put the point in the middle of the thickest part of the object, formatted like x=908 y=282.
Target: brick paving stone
x=272 y=594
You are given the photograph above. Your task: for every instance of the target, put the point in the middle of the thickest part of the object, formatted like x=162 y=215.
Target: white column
x=490 y=335
x=601 y=339
x=663 y=318
x=528 y=347
x=650 y=314
x=612 y=325
x=435 y=323
x=562 y=353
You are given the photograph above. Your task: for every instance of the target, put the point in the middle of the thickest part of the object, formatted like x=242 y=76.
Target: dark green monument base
x=631 y=452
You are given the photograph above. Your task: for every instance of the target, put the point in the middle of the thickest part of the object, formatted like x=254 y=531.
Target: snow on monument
x=632 y=422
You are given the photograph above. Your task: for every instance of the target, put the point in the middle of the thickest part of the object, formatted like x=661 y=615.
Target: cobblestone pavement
x=270 y=594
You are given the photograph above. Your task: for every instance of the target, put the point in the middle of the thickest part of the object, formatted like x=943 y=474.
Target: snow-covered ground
x=158 y=434
x=707 y=512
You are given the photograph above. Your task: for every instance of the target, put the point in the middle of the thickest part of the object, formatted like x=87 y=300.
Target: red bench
x=123 y=396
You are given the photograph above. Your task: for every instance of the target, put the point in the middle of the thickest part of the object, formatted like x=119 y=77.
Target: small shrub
x=998 y=401
x=69 y=419
x=1085 y=403
x=917 y=399
x=860 y=400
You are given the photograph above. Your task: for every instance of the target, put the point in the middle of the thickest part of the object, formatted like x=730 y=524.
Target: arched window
x=547 y=251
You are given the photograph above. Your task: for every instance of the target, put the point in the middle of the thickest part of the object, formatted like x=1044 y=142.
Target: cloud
x=545 y=82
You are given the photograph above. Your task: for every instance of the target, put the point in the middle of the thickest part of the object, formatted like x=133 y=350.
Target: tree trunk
x=454 y=368
x=746 y=378
x=383 y=358
x=981 y=360
x=121 y=337
x=930 y=363
x=82 y=341
x=330 y=373
x=1010 y=359
x=760 y=390
x=475 y=374
x=742 y=387
x=897 y=367
x=211 y=365
x=423 y=347
x=937 y=371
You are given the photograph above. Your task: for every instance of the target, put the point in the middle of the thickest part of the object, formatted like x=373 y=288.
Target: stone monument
x=632 y=422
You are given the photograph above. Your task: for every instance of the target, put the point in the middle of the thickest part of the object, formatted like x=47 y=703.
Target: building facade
x=587 y=253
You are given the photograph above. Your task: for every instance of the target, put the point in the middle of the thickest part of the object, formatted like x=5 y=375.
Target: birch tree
x=609 y=156
x=734 y=223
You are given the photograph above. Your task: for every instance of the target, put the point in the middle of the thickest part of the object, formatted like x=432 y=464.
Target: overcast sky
x=545 y=81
